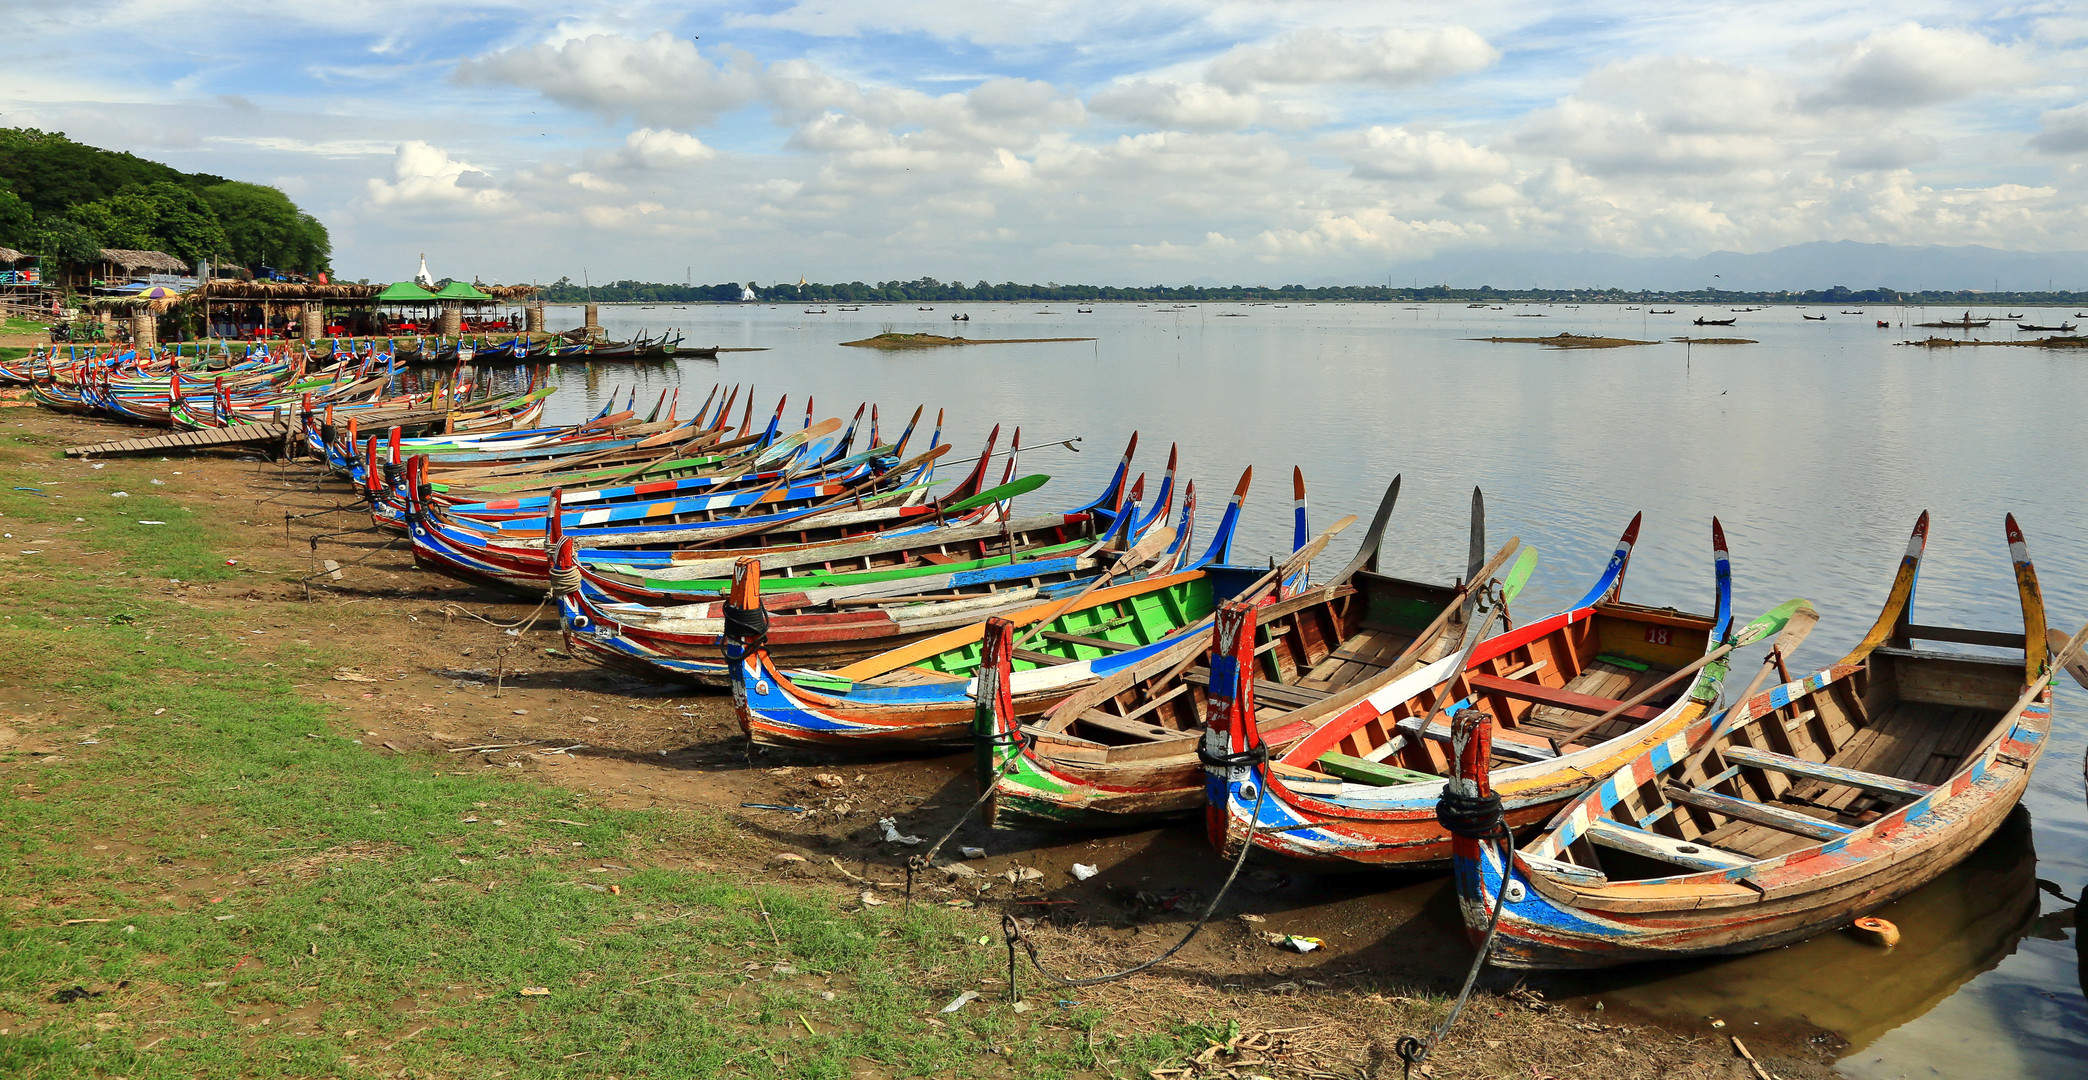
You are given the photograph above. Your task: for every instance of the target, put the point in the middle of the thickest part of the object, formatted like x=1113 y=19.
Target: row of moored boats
x=1600 y=795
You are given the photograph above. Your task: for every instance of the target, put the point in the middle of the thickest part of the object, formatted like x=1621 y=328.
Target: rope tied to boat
x=1017 y=740
x=1012 y=935
x=565 y=580
x=1477 y=818
x=744 y=629
x=1472 y=817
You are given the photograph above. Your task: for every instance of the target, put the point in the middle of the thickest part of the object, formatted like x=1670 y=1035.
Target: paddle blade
x=2076 y=665
x=1519 y=574
x=1769 y=622
x=1023 y=486
x=1796 y=629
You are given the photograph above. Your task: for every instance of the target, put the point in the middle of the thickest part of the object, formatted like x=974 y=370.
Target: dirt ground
x=430 y=666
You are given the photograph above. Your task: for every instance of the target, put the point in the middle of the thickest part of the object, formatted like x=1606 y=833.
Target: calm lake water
x=1817 y=447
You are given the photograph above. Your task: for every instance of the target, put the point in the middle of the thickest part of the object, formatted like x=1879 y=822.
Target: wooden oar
x=2065 y=658
x=1794 y=634
x=1769 y=622
x=1483 y=573
x=1476 y=591
x=1146 y=550
x=2055 y=640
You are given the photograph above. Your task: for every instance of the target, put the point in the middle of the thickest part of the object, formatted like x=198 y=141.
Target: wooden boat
x=2062 y=328
x=1883 y=325
x=817 y=627
x=1966 y=323
x=1814 y=318
x=1795 y=812
x=1124 y=751
x=1359 y=783
x=1701 y=321
x=1669 y=311
x=922 y=694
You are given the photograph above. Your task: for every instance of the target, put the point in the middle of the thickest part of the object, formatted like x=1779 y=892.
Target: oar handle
x=1643 y=696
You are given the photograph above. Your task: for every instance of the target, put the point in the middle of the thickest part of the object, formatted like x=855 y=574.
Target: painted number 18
x=1659 y=635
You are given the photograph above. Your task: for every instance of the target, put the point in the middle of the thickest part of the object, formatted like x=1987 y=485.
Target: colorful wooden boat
x=1794 y=813
x=1357 y=787
x=922 y=694
x=1123 y=752
x=820 y=627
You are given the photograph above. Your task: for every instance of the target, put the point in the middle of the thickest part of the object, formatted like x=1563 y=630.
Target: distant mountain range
x=1820 y=265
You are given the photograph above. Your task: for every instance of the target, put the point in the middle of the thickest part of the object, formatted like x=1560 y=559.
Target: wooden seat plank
x=1081 y=639
x=1764 y=814
x=1555 y=696
x=1832 y=774
x=1609 y=833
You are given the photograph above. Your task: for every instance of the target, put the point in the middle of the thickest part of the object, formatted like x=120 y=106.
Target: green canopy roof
x=404 y=292
x=458 y=290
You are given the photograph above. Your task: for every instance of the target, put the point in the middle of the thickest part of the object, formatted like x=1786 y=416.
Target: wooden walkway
x=263 y=433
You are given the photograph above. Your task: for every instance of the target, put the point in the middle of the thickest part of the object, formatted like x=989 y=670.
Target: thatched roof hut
x=10 y=255
x=130 y=260
x=226 y=290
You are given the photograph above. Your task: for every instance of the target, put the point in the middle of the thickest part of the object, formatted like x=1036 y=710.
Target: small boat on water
x=1797 y=811
x=1884 y=325
x=1814 y=318
x=1669 y=311
x=2062 y=328
x=1125 y=751
x=1965 y=323
x=1701 y=321
x=966 y=317
x=1359 y=782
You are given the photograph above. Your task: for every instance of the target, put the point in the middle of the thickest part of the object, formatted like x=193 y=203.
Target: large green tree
x=265 y=228
x=17 y=223
x=159 y=216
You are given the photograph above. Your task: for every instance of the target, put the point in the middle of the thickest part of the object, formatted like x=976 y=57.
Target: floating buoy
x=1877 y=931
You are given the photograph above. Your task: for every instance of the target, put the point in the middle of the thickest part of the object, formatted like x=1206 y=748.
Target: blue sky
x=1236 y=140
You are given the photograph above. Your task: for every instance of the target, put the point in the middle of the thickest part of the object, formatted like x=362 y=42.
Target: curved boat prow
x=1220 y=551
x=1611 y=584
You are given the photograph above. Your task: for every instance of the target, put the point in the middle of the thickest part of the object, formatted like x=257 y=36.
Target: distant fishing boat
x=1814 y=318
x=1701 y=321
x=1883 y=325
x=1085 y=310
x=2062 y=328
x=1965 y=323
x=1669 y=311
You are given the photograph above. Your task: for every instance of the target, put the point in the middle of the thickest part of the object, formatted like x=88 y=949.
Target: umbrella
x=159 y=292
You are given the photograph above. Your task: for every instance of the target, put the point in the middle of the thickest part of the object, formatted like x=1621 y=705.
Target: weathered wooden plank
x=1652 y=845
x=1765 y=814
x=1080 y=639
x=1548 y=695
x=1832 y=774
x=235 y=435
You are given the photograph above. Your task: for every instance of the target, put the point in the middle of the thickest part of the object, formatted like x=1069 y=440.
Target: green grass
x=11 y=325
x=375 y=926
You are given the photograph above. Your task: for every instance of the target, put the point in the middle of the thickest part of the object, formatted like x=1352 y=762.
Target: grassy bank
x=203 y=878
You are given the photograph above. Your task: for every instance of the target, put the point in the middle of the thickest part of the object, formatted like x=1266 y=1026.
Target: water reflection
x=1962 y=924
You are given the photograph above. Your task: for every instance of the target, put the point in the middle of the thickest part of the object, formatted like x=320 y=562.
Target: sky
x=1163 y=141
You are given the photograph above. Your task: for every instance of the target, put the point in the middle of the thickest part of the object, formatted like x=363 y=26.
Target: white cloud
x=1195 y=106
x=649 y=148
x=1394 y=153
x=1395 y=58
x=424 y=175
x=1896 y=149
x=660 y=80
x=1910 y=66
x=2063 y=131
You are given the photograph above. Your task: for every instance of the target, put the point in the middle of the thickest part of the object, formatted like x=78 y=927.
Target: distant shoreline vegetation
x=929 y=290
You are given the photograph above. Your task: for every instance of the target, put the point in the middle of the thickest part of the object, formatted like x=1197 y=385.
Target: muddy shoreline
x=430 y=668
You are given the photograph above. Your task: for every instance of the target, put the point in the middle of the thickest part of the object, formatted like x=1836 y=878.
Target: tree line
x=66 y=201
x=929 y=290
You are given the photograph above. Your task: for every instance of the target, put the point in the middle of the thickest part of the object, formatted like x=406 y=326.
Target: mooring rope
x=1475 y=818
x=1011 y=931
x=1014 y=740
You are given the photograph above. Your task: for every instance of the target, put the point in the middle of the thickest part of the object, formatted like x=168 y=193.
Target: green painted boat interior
x=1132 y=621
